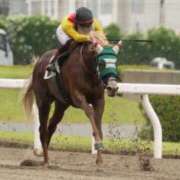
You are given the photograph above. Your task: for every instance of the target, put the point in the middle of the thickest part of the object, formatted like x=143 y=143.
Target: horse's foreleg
x=43 y=117
x=89 y=111
x=98 y=112
x=56 y=118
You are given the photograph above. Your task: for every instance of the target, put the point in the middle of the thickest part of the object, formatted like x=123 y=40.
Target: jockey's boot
x=55 y=63
x=57 y=60
x=51 y=68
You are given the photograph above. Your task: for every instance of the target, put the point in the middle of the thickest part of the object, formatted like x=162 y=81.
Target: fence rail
x=128 y=88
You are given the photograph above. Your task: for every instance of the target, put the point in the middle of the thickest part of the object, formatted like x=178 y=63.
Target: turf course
x=119 y=110
x=83 y=144
x=15 y=72
x=24 y=71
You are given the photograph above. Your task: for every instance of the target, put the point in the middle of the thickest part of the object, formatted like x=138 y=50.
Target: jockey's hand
x=92 y=38
x=98 y=38
x=94 y=41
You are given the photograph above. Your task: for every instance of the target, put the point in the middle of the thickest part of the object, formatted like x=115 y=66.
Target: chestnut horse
x=84 y=89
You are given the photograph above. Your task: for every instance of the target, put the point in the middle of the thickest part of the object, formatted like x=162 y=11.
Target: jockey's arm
x=69 y=29
x=97 y=26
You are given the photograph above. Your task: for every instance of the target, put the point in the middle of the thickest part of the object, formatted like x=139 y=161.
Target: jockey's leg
x=62 y=39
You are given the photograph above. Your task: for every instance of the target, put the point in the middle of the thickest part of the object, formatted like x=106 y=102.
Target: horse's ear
x=99 y=48
x=117 y=47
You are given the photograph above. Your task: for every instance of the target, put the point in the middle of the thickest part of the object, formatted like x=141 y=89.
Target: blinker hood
x=107 y=63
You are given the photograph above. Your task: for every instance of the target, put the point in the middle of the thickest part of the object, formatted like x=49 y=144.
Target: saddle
x=58 y=59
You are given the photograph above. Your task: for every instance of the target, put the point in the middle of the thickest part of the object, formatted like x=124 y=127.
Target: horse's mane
x=100 y=38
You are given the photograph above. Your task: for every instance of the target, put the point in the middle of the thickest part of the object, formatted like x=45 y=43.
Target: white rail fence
x=129 y=88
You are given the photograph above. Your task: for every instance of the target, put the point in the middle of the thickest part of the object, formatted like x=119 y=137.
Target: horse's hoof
x=38 y=152
x=45 y=165
x=99 y=162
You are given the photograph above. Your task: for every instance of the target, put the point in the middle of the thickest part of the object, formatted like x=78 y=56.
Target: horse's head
x=106 y=60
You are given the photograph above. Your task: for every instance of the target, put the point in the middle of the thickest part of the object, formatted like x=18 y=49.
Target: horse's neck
x=89 y=63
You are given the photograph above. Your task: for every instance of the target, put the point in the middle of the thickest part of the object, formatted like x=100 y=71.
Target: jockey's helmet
x=84 y=16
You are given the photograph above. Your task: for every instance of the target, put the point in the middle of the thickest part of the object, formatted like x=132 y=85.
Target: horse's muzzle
x=112 y=87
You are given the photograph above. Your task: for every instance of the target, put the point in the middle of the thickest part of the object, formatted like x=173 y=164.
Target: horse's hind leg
x=56 y=118
x=44 y=108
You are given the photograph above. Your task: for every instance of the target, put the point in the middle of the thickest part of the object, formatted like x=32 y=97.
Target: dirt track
x=81 y=166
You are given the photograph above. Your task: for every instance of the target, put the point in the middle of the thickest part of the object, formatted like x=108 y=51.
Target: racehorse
x=84 y=89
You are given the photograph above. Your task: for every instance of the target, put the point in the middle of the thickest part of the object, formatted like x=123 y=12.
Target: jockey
x=78 y=27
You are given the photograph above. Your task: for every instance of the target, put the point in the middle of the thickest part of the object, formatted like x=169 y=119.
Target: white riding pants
x=62 y=36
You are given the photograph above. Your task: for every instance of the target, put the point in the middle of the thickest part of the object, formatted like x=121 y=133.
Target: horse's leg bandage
x=99 y=146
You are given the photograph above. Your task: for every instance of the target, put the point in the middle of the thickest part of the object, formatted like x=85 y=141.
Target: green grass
x=136 y=67
x=11 y=106
x=123 y=68
x=117 y=110
x=16 y=72
x=24 y=71
x=83 y=144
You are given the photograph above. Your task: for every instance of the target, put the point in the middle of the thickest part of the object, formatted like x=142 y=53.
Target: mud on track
x=81 y=166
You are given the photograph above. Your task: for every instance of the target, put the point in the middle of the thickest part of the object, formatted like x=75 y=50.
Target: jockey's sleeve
x=69 y=29
x=97 y=26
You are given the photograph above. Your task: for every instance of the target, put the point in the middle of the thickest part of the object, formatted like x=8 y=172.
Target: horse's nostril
x=109 y=88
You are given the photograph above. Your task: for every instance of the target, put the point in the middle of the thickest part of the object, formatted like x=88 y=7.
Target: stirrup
x=49 y=74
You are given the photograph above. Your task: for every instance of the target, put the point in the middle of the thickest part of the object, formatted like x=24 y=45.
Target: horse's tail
x=28 y=98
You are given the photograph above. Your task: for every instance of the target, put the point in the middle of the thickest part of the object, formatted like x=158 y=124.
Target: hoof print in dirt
x=30 y=163
x=145 y=163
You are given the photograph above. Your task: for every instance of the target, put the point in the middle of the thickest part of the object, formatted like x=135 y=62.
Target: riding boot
x=57 y=60
x=59 y=55
x=51 y=66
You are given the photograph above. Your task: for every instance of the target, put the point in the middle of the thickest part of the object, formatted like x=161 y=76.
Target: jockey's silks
x=68 y=26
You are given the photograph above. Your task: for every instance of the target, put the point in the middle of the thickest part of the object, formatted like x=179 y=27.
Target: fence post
x=157 y=129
